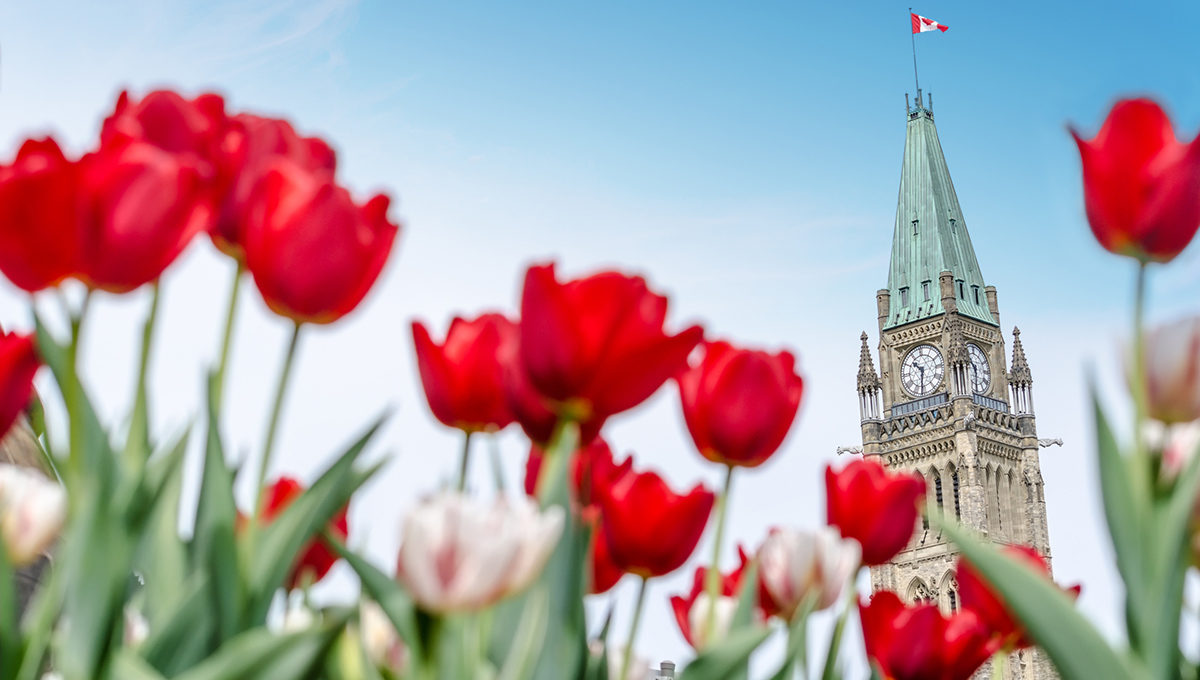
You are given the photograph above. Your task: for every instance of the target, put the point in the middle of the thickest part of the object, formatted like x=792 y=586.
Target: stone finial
x=868 y=379
x=1020 y=374
x=956 y=345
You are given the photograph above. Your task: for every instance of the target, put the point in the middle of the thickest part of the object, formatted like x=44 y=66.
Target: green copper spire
x=931 y=234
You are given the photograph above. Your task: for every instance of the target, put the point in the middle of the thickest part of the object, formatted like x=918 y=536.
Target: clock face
x=981 y=373
x=922 y=370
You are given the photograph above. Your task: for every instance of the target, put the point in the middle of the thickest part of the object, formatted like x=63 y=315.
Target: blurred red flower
x=18 y=364
x=141 y=207
x=529 y=407
x=39 y=216
x=919 y=643
x=592 y=471
x=873 y=506
x=313 y=252
x=977 y=596
x=253 y=144
x=594 y=347
x=1141 y=185
x=605 y=573
x=316 y=558
x=739 y=404
x=692 y=610
x=651 y=530
x=463 y=377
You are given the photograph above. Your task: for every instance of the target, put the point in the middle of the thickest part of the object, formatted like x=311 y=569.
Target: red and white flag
x=922 y=25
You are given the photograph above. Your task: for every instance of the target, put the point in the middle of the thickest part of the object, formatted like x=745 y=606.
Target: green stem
x=75 y=385
x=226 y=342
x=627 y=658
x=1141 y=461
x=462 y=463
x=138 y=447
x=273 y=427
x=712 y=578
x=998 y=664
x=835 y=642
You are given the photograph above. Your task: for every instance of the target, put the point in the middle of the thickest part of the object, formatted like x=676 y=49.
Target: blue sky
x=745 y=158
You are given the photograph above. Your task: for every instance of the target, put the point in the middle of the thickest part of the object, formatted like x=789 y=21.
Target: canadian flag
x=921 y=25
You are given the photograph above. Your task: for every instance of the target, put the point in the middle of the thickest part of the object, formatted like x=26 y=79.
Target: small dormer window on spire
x=925 y=289
x=953 y=224
x=961 y=292
x=904 y=297
x=916 y=223
x=975 y=290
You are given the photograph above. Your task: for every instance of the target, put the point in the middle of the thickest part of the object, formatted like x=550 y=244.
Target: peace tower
x=945 y=404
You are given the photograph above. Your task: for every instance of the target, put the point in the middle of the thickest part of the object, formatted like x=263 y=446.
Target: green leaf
x=127 y=665
x=565 y=650
x=395 y=602
x=162 y=558
x=748 y=598
x=726 y=659
x=278 y=543
x=531 y=634
x=10 y=634
x=213 y=547
x=1049 y=616
x=1124 y=509
x=797 y=641
x=259 y=654
x=181 y=635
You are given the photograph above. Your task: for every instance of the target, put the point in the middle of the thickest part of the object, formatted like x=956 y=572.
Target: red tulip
x=1141 y=185
x=651 y=530
x=873 y=506
x=313 y=252
x=977 y=596
x=595 y=347
x=605 y=574
x=254 y=144
x=18 y=363
x=193 y=131
x=463 y=377
x=39 y=216
x=316 y=558
x=919 y=643
x=141 y=208
x=739 y=404
x=529 y=407
x=692 y=611
x=592 y=471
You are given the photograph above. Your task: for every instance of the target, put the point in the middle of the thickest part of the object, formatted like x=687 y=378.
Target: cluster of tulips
x=495 y=587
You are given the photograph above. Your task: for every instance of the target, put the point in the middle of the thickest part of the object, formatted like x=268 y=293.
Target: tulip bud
x=874 y=506
x=796 y=564
x=380 y=639
x=1172 y=354
x=298 y=617
x=33 y=510
x=458 y=554
x=692 y=612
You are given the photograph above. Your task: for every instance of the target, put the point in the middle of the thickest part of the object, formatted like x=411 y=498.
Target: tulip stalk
x=633 y=629
x=75 y=386
x=462 y=463
x=835 y=641
x=138 y=447
x=273 y=426
x=712 y=578
x=1139 y=359
x=227 y=340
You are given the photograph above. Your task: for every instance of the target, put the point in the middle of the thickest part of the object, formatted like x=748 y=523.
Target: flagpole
x=913 y=36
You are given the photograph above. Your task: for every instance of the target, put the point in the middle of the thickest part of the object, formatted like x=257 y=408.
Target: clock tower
x=945 y=403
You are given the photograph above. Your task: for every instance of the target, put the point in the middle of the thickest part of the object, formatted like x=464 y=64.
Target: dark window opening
x=937 y=486
x=952 y=224
x=975 y=289
x=925 y=289
x=961 y=295
x=916 y=223
x=903 y=297
x=953 y=601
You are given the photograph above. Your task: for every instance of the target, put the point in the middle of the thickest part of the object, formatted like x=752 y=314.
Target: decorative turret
x=1020 y=378
x=957 y=356
x=869 y=386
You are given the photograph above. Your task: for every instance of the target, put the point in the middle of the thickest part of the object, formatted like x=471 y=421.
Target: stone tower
x=944 y=404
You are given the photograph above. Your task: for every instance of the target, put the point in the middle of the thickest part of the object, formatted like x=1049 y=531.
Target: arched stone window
x=954 y=483
x=919 y=593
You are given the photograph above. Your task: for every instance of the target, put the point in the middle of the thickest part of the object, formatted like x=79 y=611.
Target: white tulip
x=298 y=617
x=639 y=668
x=722 y=620
x=794 y=564
x=379 y=638
x=1172 y=354
x=459 y=554
x=32 y=512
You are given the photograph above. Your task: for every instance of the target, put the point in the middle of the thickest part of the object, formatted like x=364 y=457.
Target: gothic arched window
x=937 y=486
x=953 y=601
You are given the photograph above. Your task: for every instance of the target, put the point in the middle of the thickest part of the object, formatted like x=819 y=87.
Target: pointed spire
x=1020 y=374
x=867 y=378
x=930 y=235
